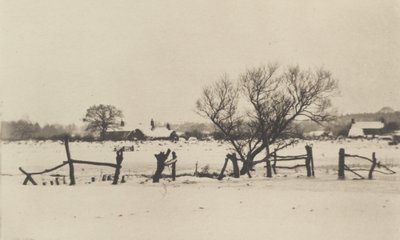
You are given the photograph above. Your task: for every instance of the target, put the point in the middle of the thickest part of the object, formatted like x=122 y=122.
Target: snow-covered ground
x=287 y=206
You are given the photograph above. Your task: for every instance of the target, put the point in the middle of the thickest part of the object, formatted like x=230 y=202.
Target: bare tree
x=275 y=100
x=101 y=118
x=219 y=103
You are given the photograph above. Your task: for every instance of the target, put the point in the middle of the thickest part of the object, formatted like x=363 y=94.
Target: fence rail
x=342 y=167
x=70 y=162
x=308 y=158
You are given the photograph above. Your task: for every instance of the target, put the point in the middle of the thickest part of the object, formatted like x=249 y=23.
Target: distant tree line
x=25 y=130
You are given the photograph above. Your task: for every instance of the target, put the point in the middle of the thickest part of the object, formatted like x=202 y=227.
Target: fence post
x=341 y=164
x=70 y=163
x=274 y=164
x=173 y=171
x=119 y=158
x=372 y=167
x=268 y=167
x=309 y=161
x=221 y=175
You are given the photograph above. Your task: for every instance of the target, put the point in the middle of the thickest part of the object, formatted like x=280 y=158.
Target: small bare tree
x=275 y=101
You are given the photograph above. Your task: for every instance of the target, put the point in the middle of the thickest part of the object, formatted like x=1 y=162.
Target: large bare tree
x=274 y=100
x=101 y=118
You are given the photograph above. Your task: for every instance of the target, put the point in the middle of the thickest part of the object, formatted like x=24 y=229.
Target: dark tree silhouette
x=273 y=102
x=101 y=118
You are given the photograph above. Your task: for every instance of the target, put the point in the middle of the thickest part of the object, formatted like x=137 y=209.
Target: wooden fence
x=374 y=163
x=70 y=162
x=307 y=158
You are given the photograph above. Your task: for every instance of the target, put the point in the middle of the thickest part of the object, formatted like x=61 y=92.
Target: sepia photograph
x=199 y=119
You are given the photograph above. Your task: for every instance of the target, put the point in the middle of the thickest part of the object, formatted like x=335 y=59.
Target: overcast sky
x=152 y=58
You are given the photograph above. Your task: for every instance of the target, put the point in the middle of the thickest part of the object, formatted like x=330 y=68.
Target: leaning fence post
x=119 y=158
x=309 y=162
x=341 y=163
x=373 y=166
x=221 y=175
x=70 y=163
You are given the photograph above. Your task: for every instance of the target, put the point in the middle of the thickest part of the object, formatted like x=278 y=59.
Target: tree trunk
x=233 y=158
x=246 y=167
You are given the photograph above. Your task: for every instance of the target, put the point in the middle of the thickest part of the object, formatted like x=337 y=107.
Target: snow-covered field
x=287 y=206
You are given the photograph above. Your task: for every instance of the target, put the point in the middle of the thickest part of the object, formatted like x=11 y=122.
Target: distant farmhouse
x=157 y=133
x=145 y=133
x=365 y=129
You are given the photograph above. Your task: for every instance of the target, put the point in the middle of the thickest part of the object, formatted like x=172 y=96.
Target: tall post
x=341 y=164
x=119 y=158
x=309 y=161
x=70 y=163
x=372 y=167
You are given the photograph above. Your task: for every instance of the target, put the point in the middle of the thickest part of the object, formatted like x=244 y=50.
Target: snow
x=287 y=206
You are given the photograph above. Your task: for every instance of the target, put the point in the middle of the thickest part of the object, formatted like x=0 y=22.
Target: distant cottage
x=152 y=133
x=366 y=129
x=158 y=133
